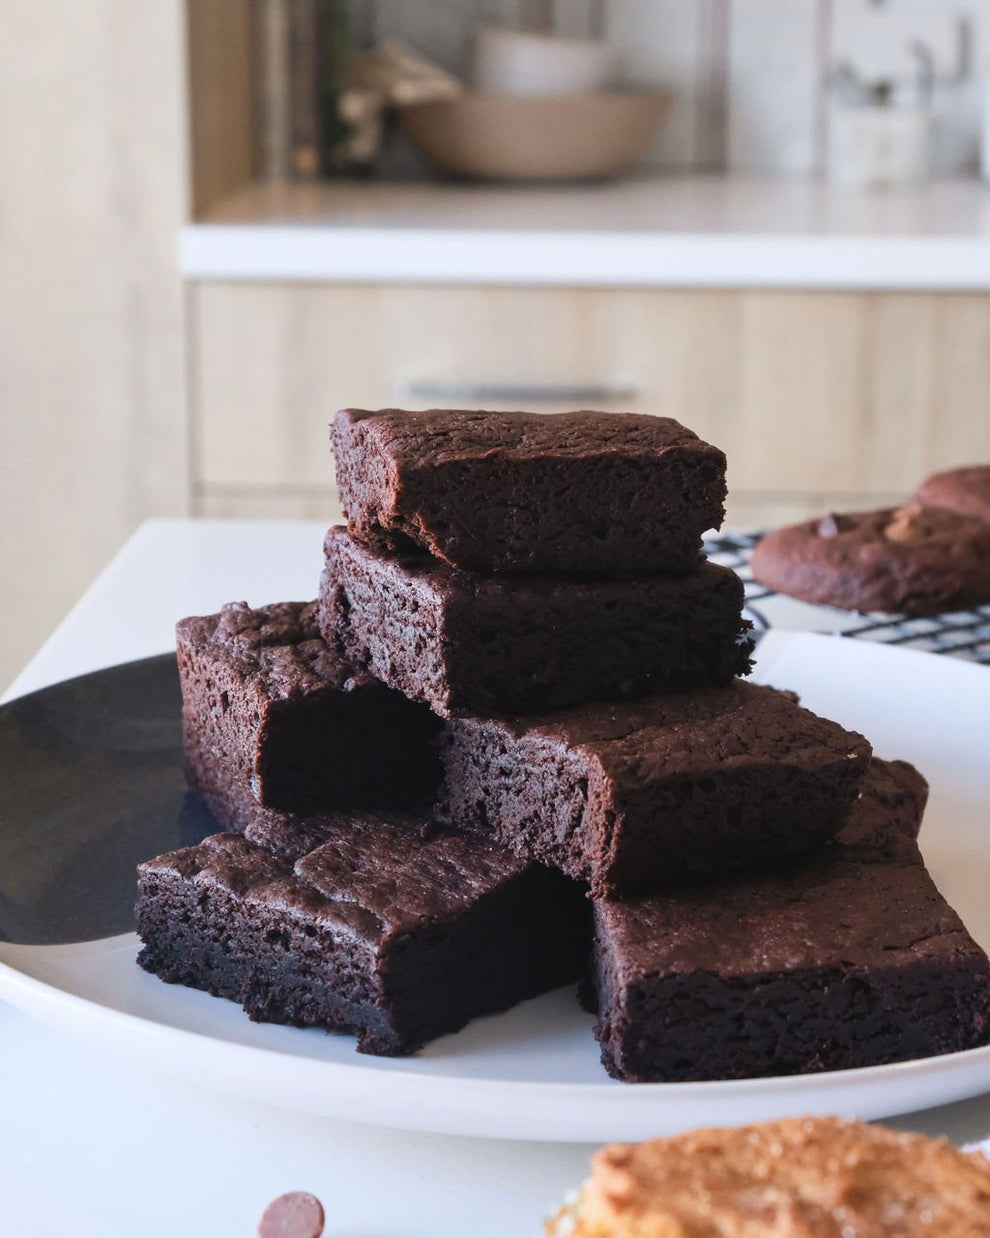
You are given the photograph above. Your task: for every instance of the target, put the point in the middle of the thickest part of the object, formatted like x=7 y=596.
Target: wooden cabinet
x=92 y=322
x=819 y=399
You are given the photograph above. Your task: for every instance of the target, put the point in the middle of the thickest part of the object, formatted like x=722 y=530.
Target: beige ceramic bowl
x=562 y=137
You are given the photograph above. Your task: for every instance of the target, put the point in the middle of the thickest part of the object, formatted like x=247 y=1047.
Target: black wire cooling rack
x=964 y=633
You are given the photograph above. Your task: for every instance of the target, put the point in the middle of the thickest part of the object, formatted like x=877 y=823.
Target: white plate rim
x=448 y=1104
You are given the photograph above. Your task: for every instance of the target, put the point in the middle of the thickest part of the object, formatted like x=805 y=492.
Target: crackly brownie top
x=839 y=912
x=227 y=859
x=965 y=490
x=675 y=733
x=863 y=900
x=279 y=646
x=814 y=1177
x=290 y=836
x=379 y=874
x=229 y=864
x=405 y=873
x=440 y=436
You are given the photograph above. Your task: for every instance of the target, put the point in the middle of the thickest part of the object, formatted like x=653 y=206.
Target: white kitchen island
x=99 y=1148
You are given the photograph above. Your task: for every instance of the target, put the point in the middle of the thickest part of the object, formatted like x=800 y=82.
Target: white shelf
x=702 y=232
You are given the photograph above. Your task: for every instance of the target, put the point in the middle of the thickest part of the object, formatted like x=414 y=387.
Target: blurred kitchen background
x=222 y=219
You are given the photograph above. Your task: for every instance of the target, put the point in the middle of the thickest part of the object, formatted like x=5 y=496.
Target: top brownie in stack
x=577 y=492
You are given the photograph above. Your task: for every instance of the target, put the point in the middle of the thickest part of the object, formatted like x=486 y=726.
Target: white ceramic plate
x=533 y=1073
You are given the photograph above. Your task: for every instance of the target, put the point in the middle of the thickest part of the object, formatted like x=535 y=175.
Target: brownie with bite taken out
x=271 y=715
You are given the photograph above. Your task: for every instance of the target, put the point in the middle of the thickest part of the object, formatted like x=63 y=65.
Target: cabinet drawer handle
x=579 y=395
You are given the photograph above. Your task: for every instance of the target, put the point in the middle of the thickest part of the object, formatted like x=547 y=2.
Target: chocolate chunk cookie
x=910 y=560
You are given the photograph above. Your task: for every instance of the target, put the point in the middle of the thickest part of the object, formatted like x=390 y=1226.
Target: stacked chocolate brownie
x=509 y=748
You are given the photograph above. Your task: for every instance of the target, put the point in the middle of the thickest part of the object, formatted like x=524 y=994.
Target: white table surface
x=97 y=1149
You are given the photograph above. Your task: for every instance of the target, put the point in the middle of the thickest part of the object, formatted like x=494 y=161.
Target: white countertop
x=702 y=232
x=98 y=1149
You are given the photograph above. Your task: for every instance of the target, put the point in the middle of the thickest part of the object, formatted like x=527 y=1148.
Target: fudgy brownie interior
x=503 y=644
x=272 y=715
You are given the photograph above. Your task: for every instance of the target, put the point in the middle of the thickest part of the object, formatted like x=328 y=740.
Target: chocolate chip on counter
x=294 y=1215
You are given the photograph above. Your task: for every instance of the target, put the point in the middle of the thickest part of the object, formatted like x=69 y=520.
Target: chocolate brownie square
x=389 y=928
x=852 y=958
x=271 y=715
x=530 y=492
x=633 y=795
x=503 y=644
